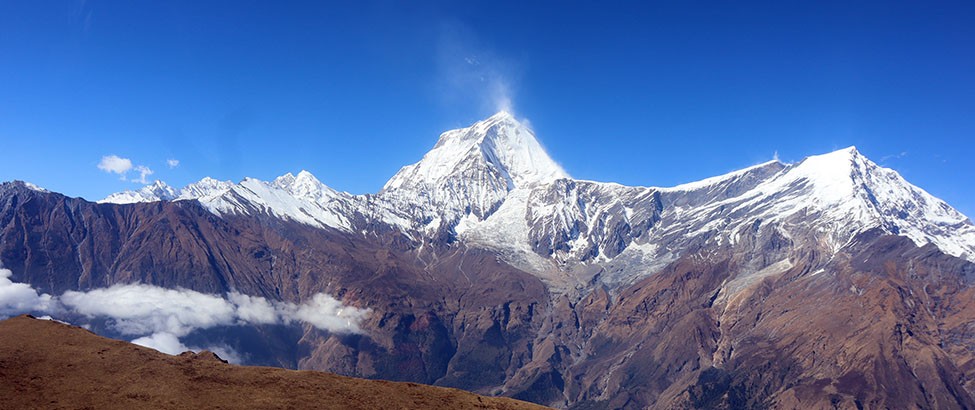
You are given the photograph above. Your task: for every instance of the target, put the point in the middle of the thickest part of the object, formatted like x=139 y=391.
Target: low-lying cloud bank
x=17 y=298
x=138 y=309
x=160 y=316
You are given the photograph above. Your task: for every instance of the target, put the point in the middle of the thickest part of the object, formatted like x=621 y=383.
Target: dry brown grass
x=49 y=365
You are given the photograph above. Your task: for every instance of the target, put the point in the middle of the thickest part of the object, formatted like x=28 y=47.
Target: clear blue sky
x=642 y=93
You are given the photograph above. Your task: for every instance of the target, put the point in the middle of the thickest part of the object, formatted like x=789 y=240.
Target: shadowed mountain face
x=52 y=365
x=827 y=283
x=428 y=316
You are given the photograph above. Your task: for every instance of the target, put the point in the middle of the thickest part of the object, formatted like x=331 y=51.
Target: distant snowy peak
x=842 y=193
x=305 y=186
x=157 y=191
x=204 y=188
x=300 y=198
x=500 y=143
x=160 y=191
x=848 y=183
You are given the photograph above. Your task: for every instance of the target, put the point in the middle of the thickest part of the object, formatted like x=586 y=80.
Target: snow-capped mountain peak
x=160 y=191
x=205 y=188
x=305 y=186
x=843 y=193
x=156 y=191
x=499 y=142
x=470 y=170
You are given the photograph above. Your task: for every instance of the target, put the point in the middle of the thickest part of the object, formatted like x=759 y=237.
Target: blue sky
x=641 y=93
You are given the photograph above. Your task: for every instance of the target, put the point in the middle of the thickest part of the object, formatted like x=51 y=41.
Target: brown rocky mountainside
x=46 y=364
x=830 y=283
x=881 y=323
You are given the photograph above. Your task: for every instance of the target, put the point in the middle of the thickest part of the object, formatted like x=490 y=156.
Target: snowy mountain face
x=625 y=232
x=160 y=191
x=157 y=191
x=204 y=188
x=470 y=171
x=492 y=185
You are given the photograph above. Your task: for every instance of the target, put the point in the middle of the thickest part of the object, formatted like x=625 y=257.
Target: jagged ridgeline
x=485 y=266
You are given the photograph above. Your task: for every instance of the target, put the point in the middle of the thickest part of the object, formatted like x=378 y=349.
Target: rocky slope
x=46 y=364
x=486 y=267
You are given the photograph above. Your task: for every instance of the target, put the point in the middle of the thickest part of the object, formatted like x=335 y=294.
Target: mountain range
x=831 y=282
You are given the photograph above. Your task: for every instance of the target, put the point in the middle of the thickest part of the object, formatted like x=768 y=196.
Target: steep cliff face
x=486 y=267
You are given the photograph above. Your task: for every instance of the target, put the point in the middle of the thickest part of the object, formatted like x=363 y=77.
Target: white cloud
x=143 y=309
x=161 y=316
x=164 y=342
x=138 y=309
x=172 y=163
x=321 y=311
x=115 y=164
x=254 y=309
x=326 y=312
x=144 y=172
x=19 y=298
x=170 y=344
x=226 y=353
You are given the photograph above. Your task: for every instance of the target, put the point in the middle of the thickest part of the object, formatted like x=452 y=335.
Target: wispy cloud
x=115 y=164
x=144 y=173
x=172 y=163
x=886 y=158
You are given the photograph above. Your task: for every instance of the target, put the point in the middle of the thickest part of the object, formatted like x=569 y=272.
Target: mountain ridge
x=466 y=179
x=565 y=292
